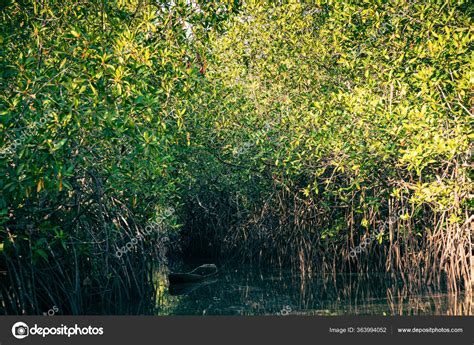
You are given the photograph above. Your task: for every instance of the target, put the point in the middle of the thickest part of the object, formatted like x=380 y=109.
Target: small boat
x=197 y=275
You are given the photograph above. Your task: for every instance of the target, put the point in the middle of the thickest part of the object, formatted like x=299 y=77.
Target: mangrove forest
x=276 y=157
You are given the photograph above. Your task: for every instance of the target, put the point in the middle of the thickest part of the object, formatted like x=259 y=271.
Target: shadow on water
x=246 y=291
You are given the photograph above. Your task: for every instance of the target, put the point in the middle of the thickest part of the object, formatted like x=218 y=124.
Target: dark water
x=244 y=291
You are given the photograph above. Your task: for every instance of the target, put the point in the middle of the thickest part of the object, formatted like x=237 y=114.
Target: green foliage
x=92 y=115
x=351 y=107
x=243 y=116
x=340 y=94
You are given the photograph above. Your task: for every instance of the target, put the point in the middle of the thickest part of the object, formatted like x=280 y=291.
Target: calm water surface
x=245 y=291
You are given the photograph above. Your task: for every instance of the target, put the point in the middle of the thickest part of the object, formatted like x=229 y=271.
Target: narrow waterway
x=246 y=291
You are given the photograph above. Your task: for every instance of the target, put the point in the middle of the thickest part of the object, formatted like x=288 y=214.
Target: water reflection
x=281 y=292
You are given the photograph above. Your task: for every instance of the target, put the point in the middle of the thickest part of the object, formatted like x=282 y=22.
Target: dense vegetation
x=281 y=133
